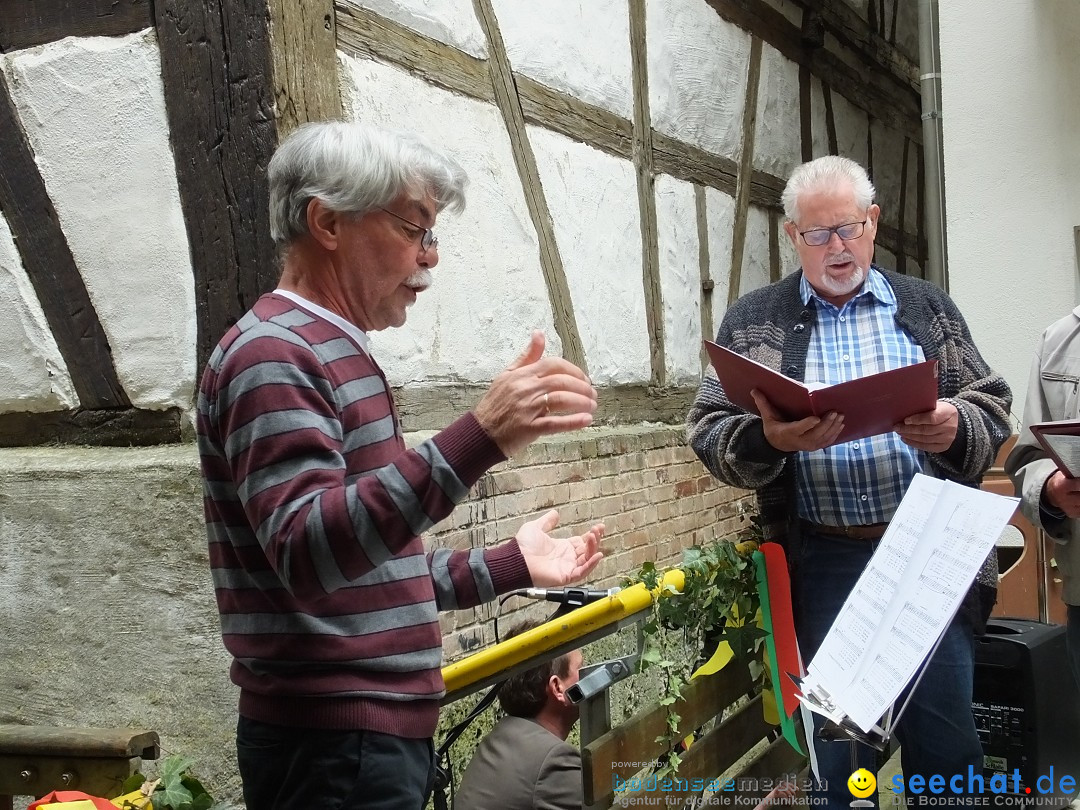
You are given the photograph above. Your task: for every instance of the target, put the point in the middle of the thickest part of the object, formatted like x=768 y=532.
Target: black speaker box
x=1027 y=708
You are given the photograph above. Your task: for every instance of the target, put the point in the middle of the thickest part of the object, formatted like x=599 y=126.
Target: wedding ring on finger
x=547 y=404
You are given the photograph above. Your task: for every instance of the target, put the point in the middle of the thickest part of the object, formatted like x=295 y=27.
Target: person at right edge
x=837 y=318
x=1049 y=498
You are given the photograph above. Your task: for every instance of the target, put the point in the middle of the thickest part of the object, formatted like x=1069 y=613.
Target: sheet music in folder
x=904 y=599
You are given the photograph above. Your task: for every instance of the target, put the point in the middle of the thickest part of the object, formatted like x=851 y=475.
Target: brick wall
x=643 y=482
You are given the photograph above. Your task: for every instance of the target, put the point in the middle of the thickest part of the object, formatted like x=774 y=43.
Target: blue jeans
x=299 y=769
x=937 y=730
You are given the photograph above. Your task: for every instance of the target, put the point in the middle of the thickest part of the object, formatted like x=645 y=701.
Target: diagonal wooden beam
x=46 y=256
x=646 y=177
x=506 y=98
x=25 y=23
x=216 y=66
x=746 y=167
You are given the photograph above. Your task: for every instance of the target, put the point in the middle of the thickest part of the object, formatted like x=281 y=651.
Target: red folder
x=1061 y=441
x=870 y=405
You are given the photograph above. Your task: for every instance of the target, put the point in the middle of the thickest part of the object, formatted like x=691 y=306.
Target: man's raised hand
x=536 y=396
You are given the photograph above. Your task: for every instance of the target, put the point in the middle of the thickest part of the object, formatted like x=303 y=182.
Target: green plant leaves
x=176 y=788
x=719 y=602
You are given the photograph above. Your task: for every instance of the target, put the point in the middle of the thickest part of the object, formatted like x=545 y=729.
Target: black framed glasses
x=816 y=237
x=428 y=239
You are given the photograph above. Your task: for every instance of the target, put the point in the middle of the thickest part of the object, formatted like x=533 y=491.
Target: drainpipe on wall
x=930 y=85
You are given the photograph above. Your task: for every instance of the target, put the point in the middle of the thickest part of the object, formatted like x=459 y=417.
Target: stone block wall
x=107 y=613
x=648 y=488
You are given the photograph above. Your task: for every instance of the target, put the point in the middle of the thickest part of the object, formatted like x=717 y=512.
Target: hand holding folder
x=870 y=405
x=1061 y=441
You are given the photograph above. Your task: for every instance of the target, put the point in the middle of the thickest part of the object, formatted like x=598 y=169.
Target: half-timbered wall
x=626 y=159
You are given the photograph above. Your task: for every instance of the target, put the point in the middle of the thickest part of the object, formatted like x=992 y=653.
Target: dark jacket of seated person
x=525 y=762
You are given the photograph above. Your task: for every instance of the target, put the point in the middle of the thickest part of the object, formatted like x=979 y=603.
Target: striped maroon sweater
x=314 y=511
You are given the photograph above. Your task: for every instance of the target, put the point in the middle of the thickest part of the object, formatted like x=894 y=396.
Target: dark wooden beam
x=901 y=218
x=830 y=119
x=25 y=23
x=746 y=171
x=806 y=114
x=126 y=427
x=704 y=271
x=365 y=34
x=47 y=258
x=863 y=37
x=646 y=188
x=216 y=66
x=775 y=270
x=876 y=91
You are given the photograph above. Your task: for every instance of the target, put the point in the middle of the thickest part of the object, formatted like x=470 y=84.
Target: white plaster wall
x=580 y=47
x=697 y=74
x=755 y=269
x=851 y=128
x=819 y=132
x=1010 y=73
x=680 y=278
x=777 y=138
x=593 y=200
x=93 y=109
x=489 y=290
x=33 y=375
x=884 y=257
x=450 y=21
x=907 y=30
x=789 y=257
x=888 y=165
x=720 y=209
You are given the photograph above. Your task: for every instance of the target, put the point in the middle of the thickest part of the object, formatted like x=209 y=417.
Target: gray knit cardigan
x=771 y=325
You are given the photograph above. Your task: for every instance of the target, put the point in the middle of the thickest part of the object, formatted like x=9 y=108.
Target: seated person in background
x=525 y=762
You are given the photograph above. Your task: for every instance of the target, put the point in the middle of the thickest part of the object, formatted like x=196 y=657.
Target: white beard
x=844 y=284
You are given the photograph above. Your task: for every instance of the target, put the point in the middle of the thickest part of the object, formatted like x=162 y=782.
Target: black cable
x=498 y=610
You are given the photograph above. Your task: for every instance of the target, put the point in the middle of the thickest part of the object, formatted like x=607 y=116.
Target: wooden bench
x=740 y=729
x=35 y=760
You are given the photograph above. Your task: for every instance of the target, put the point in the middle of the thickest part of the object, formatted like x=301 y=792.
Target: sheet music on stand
x=902 y=603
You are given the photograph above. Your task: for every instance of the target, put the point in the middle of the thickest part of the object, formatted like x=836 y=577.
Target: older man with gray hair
x=840 y=317
x=314 y=507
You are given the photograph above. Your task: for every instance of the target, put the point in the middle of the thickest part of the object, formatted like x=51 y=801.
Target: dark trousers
x=299 y=769
x=937 y=730
x=1072 y=639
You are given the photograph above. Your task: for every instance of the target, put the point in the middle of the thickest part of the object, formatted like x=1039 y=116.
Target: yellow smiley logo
x=861 y=783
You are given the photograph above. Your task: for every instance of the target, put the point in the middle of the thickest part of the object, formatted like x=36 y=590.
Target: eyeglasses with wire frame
x=816 y=237
x=428 y=239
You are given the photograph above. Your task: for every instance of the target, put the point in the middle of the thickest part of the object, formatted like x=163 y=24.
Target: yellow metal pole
x=552 y=634
x=558 y=632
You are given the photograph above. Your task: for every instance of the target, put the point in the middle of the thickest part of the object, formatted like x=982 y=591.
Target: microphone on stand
x=575 y=597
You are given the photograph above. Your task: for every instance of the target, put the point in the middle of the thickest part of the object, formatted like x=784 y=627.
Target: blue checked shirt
x=862 y=481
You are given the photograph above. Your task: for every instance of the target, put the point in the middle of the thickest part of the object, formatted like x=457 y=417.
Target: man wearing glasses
x=838 y=318
x=314 y=507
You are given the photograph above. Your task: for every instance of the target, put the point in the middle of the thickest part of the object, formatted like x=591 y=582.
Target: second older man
x=838 y=318
x=315 y=508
